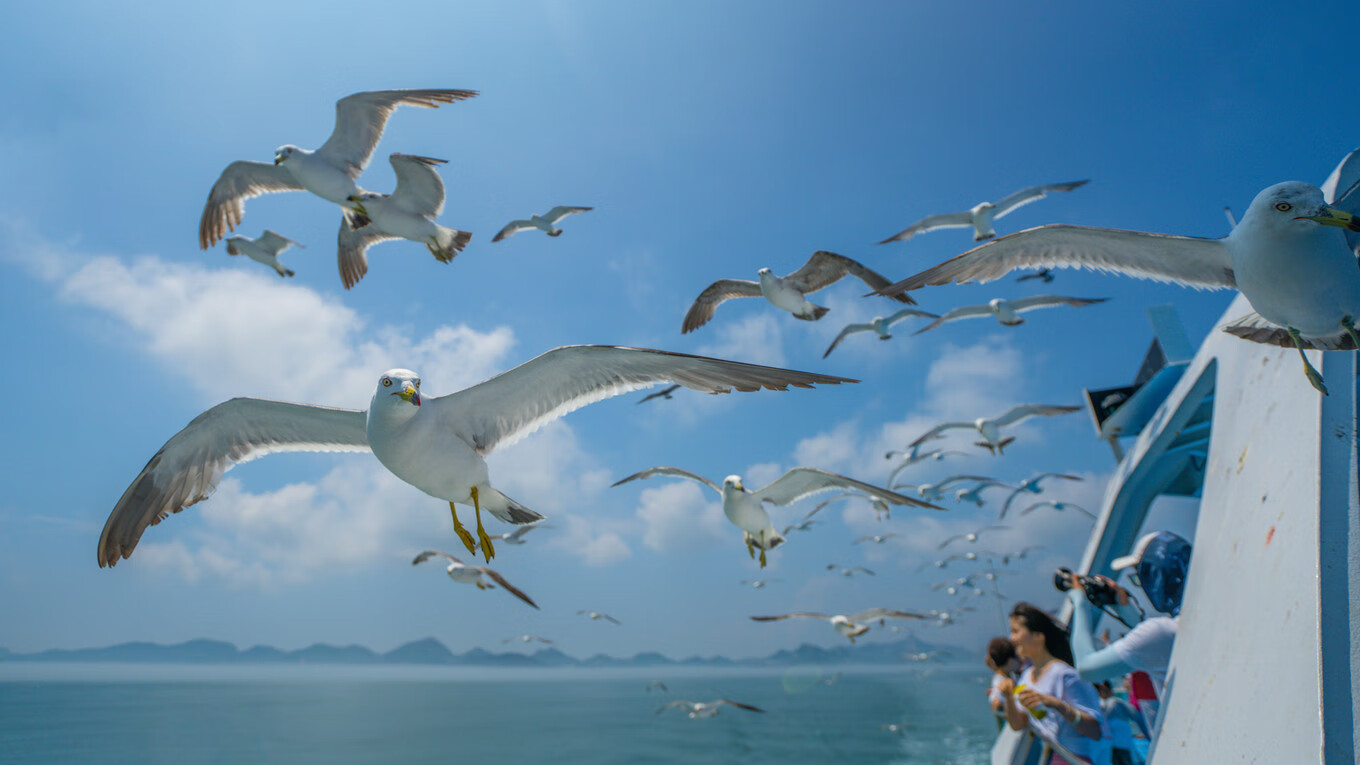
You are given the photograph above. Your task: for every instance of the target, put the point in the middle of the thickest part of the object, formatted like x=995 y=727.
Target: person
x=1004 y=663
x=1121 y=717
x=1160 y=563
x=1060 y=706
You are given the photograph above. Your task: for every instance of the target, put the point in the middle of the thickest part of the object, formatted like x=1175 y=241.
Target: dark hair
x=1000 y=650
x=1036 y=619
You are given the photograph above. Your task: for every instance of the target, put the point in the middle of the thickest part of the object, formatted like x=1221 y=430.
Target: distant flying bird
x=974 y=493
x=663 y=393
x=697 y=709
x=746 y=510
x=847 y=572
x=1059 y=506
x=876 y=539
x=1007 y=311
x=933 y=492
x=757 y=584
x=946 y=618
x=331 y=172
x=897 y=728
x=971 y=536
x=408 y=213
x=657 y=684
x=527 y=639
x=1033 y=486
x=934 y=454
x=596 y=616
x=923 y=656
x=436 y=444
x=822 y=270
x=1298 y=274
x=475 y=575
x=980 y=217
x=264 y=250
x=851 y=626
x=1021 y=553
x=516 y=535
x=879 y=325
x=881 y=509
x=1043 y=274
x=990 y=428
x=547 y=223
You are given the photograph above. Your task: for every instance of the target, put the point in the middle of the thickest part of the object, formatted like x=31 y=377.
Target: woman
x=1070 y=714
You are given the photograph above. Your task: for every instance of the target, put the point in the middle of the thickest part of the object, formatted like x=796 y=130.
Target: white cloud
x=678 y=516
x=757 y=339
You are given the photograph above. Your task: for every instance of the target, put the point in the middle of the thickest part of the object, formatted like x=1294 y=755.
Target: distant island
x=432 y=651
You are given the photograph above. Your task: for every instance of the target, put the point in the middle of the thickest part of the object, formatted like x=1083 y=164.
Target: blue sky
x=712 y=139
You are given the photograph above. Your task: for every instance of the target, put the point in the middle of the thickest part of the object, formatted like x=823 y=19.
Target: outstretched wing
x=826 y=268
x=513 y=404
x=908 y=312
x=1031 y=194
x=420 y=190
x=1255 y=328
x=938 y=429
x=930 y=223
x=352 y=250
x=188 y=468
x=512 y=228
x=227 y=200
x=849 y=330
x=361 y=118
x=701 y=312
x=799 y=615
x=421 y=558
x=739 y=705
x=1025 y=411
x=510 y=588
x=804 y=481
x=275 y=243
x=871 y=614
x=962 y=312
x=663 y=470
x=555 y=215
x=1046 y=301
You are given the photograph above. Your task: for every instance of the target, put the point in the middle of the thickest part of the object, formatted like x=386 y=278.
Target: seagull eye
x=417 y=385
x=387 y=382
x=1284 y=206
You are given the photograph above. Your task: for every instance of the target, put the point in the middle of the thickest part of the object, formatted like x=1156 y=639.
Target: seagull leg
x=1349 y=325
x=762 y=557
x=750 y=548
x=487 y=549
x=463 y=534
x=1308 y=371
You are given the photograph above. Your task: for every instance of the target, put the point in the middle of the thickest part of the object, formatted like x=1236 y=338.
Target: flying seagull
x=331 y=172
x=1007 y=312
x=980 y=217
x=849 y=572
x=547 y=223
x=851 y=626
x=746 y=510
x=264 y=250
x=1043 y=274
x=757 y=584
x=663 y=393
x=408 y=213
x=974 y=493
x=516 y=535
x=881 y=508
x=1022 y=552
x=876 y=538
x=823 y=269
x=877 y=324
x=1034 y=486
x=1059 y=506
x=527 y=639
x=932 y=492
x=657 y=684
x=990 y=429
x=971 y=536
x=439 y=448
x=697 y=709
x=1298 y=274
x=595 y=616
x=477 y=575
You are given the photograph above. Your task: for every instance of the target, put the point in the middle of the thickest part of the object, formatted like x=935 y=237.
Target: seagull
x=878 y=324
x=1059 y=506
x=1031 y=485
x=804 y=524
x=547 y=223
x=823 y=269
x=1044 y=274
x=464 y=574
x=971 y=536
x=1021 y=553
x=264 y=250
x=980 y=217
x=527 y=639
x=946 y=618
x=1299 y=276
x=876 y=539
x=757 y=584
x=596 y=616
x=408 y=213
x=516 y=535
x=437 y=444
x=923 y=656
x=665 y=393
x=933 y=492
x=331 y=172
x=974 y=494
x=851 y=626
x=897 y=728
x=934 y=454
x=990 y=429
x=745 y=509
x=881 y=508
x=1007 y=311
x=697 y=709
x=847 y=572
x=657 y=684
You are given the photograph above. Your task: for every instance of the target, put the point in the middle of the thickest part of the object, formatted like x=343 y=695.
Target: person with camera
x=1160 y=563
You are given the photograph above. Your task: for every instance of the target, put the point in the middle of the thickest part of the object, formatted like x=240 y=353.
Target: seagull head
x=733 y=483
x=397 y=386
x=1281 y=205
x=232 y=249
x=283 y=153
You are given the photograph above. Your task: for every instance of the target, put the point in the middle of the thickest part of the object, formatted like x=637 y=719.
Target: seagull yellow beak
x=1331 y=216
x=278 y=158
x=359 y=206
x=409 y=395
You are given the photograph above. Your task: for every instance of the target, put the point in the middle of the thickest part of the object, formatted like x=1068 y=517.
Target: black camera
x=1100 y=594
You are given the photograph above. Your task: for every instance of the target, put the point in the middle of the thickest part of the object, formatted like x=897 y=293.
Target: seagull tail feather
x=287 y=272
x=506 y=509
x=448 y=243
x=355 y=219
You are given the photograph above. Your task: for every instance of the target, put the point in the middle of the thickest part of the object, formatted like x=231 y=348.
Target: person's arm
x=1016 y=716
x=1093 y=664
x=1086 y=723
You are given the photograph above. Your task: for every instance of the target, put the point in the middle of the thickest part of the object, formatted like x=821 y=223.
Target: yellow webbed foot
x=762 y=558
x=468 y=541
x=750 y=548
x=488 y=549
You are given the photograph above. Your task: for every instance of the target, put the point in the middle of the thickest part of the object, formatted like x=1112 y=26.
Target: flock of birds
x=1285 y=254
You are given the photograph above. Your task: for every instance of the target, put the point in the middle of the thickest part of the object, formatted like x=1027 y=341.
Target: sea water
x=143 y=713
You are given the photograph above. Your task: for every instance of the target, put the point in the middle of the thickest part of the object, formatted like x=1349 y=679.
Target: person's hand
x=1006 y=686
x=1030 y=698
x=1074 y=582
x=1121 y=595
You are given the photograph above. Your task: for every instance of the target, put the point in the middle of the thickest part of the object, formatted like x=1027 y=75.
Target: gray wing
x=510 y=588
x=826 y=268
x=953 y=479
x=352 y=250
x=420 y=190
x=1190 y=261
x=799 y=615
x=909 y=312
x=555 y=215
x=512 y=228
x=1024 y=411
x=804 y=481
x=517 y=402
x=1031 y=194
x=738 y=705
x=930 y=223
x=849 y=330
x=1046 y=301
x=1007 y=505
x=884 y=613
x=227 y=200
x=275 y=243
x=1256 y=329
x=962 y=312
x=701 y=312
x=672 y=471
x=188 y=468
x=424 y=556
x=938 y=429
x=677 y=703
x=361 y=118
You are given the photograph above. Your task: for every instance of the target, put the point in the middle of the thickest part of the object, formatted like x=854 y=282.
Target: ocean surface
x=54 y=713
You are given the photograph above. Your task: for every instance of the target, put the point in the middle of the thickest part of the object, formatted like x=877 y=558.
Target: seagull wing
x=227 y=200
x=677 y=703
x=938 y=429
x=420 y=190
x=361 y=118
x=849 y=330
x=884 y=613
x=804 y=481
x=1033 y=507
x=512 y=228
x=1191 y=261
x=188 y=468
x=943 y=220
x=908 y=312
x=826 y=268
x=1025 y=411
x=945 y=543
x=1255 y=328
x=510 y=588
x=421 y=558
x=798 y=615
x=962 y=312
x=674 y=471
x=1046 y=301
x=738 y=705
x=1009 y=499
x=1031 y=194
x=275 y=243
x=513 y=404
x=663 y=393
x=953 y=479
x=352 y=250
x=702 y=311
x=555 y=215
